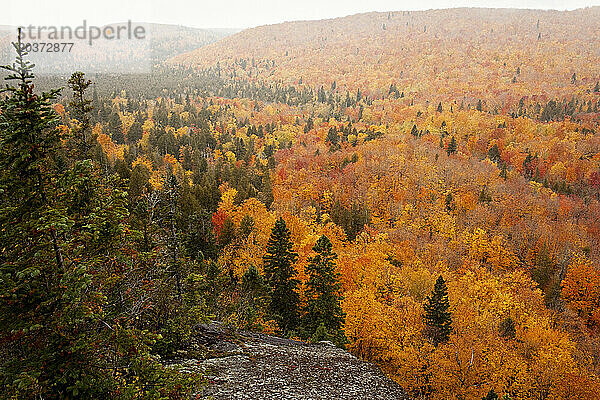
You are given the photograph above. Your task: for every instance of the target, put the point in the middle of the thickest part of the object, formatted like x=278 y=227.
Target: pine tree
x=279 y=272
x=136 y=131
x=439 y=107
x=323 y=292
x=438 y=319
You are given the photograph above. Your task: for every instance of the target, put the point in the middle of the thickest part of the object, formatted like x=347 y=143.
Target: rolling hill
x=498 y=55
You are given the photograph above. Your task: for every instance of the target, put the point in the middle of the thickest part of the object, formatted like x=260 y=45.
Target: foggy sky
x=231 y=13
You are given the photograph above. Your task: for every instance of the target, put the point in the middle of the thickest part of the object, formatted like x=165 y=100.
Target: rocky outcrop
x=248 y=365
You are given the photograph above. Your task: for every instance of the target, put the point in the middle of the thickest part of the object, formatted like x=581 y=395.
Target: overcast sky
x=231 y=13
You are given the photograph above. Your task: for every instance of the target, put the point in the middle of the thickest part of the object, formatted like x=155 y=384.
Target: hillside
x=112 y=56
x=459 y=54
x=431 y=205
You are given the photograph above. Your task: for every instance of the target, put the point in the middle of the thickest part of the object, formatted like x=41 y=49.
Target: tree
x=254 y=299
x=491 y=395
x=438 y=319
x=136 y=130
x=67 y=287
x=323 y=292
x=81 y=108
x=439 y=107
x=115 y=128
x=581 y=289
x=414 y=131
x=507 y=328
x=280 y=275
x=449 y=202
x=452 y=146
x=494 y=153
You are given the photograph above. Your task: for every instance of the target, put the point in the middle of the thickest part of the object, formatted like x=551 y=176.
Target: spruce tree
x=494 y=153
x=80 y=109
x=68 y=292
x=438 y=320
x=280 y=275
x=452 y=146
x=323 y=293
x=115 y=128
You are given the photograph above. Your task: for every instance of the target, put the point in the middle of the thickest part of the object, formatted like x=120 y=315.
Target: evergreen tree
x=323 y=292
x=136 y=130
x=67 y=287
x=449 y=202
x=279 y=272
x=439 y=107
x=452 y=146
x=507 y=328
x=491 y=395
x=414 y=131
x=494 y=153
x=438 y=320
x=81 y=107
x=503 y=172
x=254 y=299
x=479 y=105
x=115 y=128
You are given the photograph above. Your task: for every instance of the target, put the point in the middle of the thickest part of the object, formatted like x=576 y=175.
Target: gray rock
x=258 y=366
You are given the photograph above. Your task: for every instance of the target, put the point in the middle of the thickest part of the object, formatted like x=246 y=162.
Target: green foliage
x=323 y=292
x=280 y=275
x=438 y=319
x=494 y=154
x=72 y=283
x=246 y=226
x=183 y=314
x=321 y=334
x=484 y=196
x=491 y=395
x=352 y=219
x=452 y=146
x=254 y=298
x=507 y=328
x=449 y=202
x=81 y=141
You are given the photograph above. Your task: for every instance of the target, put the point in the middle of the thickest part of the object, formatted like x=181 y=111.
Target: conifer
x=323 y=292
x=280 y=275
x=438 y=319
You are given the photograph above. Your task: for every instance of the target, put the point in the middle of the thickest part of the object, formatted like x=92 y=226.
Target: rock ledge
x=256 y=366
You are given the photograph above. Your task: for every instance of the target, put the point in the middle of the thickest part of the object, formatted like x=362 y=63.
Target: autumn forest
x=419 y=188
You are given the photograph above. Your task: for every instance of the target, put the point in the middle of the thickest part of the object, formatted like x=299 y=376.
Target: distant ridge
x=467 y=52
